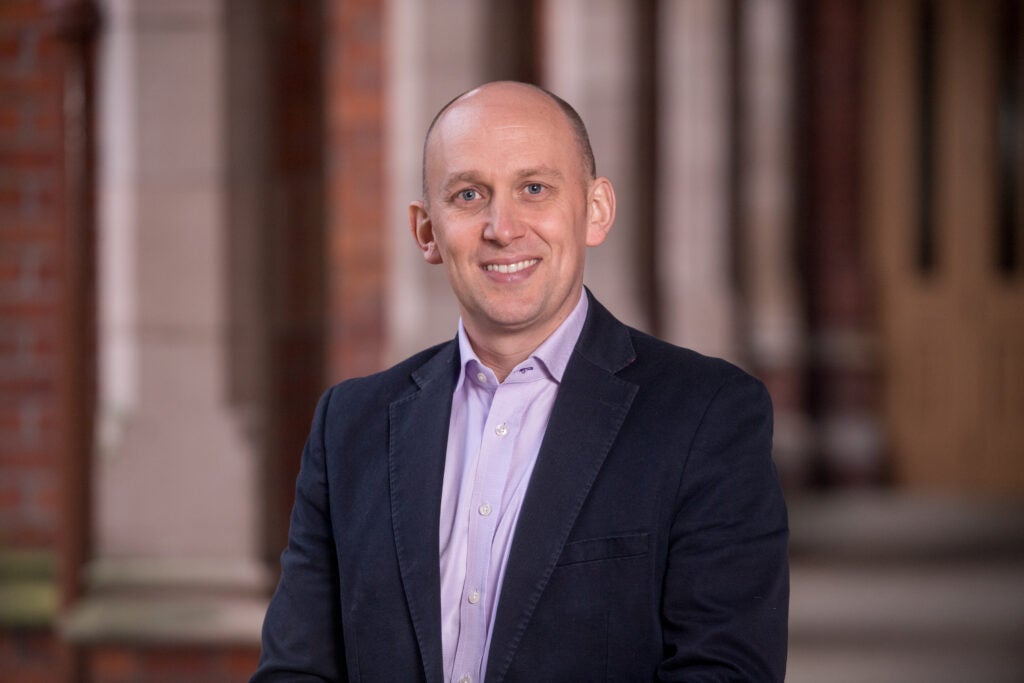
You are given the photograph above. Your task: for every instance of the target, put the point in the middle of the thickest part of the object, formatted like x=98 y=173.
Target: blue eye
x=468 y=195
x=534 y=188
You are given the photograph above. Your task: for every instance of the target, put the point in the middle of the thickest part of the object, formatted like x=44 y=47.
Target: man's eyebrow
x=460 y=177
x=475 y=177
x=540 y=171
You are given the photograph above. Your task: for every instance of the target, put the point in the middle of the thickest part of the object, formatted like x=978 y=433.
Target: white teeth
x=511 y=267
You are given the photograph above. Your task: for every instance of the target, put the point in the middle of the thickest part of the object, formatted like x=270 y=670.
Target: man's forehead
x=499 y=159
x=496 y=118
x=494 y=127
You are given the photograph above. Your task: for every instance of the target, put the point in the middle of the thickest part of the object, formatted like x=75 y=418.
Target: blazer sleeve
x=302 y=631
x=726 y=590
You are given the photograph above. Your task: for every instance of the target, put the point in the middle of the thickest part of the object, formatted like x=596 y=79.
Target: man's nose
x=504 y=223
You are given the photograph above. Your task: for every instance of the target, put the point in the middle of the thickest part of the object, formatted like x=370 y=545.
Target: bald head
x=511 y=205
x=515 y=91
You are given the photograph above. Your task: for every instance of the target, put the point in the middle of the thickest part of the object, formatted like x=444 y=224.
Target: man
x=552 y=496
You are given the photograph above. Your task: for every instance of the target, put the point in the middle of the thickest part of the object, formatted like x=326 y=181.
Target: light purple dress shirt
x=494 y=436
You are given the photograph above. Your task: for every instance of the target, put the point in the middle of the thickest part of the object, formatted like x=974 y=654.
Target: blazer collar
x=591 y=406
x=604 y=341
x=418 y=438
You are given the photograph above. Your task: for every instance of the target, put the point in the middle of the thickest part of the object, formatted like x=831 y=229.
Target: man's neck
x=501 y=349
x=503 y=354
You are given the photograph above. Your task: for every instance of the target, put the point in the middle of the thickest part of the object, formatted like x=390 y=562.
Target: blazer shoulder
x=636 y=356
x=655 y=355
x=381 y=388
x=689 y=381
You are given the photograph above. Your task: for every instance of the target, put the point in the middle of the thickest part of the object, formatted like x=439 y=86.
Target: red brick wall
x=356 y=212
x=30 y=275
x=31 y=287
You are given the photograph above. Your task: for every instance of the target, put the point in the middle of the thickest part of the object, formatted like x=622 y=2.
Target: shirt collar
x=553 y=354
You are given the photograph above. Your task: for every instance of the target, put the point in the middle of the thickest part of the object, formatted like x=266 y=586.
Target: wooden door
x=944 y=138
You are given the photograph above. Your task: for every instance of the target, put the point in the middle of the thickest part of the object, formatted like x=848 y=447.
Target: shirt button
x=474 y=597
x=465 y=679
x=485 y=509
x=481 y=377
x=501 y=430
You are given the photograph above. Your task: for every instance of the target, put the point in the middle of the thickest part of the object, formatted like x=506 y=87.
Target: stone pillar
x=592 y=50
x=695 y=254
x=774 y=325
x=175 y=474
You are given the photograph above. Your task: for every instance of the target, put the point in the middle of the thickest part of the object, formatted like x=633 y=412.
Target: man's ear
x=600 y=211
x=423 y=232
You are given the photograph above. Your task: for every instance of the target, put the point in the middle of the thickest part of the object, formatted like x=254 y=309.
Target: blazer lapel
x=418 y=439
x=591 y=406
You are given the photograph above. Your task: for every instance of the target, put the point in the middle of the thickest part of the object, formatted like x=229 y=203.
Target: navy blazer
x=651 y=544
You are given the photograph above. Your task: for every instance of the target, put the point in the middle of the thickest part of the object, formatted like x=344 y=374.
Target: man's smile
x=511 y=267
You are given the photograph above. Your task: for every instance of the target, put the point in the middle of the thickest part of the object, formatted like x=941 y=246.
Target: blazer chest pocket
x=605 y=548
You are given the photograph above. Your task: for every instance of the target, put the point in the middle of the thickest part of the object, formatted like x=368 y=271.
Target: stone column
x=774 y=325
x=694 y=258
x=175 y=474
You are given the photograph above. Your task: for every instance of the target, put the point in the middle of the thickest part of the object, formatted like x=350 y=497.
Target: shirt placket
x=493 y=461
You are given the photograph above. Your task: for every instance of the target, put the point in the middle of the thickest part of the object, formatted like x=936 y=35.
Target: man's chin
x=508 y=321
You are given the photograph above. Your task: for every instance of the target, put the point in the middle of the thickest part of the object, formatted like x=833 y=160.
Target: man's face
x=510 y=210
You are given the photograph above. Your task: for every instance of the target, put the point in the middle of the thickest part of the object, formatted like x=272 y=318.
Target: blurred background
x=203 y=225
